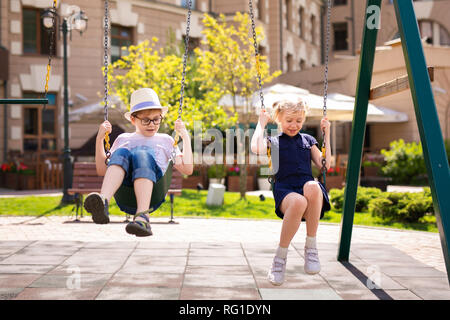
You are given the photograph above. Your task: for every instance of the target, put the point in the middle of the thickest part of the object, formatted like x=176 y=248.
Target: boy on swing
x=138 y=159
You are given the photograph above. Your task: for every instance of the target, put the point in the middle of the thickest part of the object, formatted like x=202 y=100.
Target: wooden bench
x=86 y=180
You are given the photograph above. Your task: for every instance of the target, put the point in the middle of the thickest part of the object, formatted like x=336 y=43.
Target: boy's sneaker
x=276 y=273
x=97 y=206
x=312 y=263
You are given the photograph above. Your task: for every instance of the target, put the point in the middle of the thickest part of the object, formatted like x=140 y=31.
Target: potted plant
x=11 y=178
x=233 y=176
x=27 y=177
x=334 y=178
x=193 y=181
x=371 y=168
x=217 y=173
x=263 y=182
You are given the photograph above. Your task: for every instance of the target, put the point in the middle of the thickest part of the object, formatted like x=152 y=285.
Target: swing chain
x=325 y=90
x=257 y=56
x=186 y=50
x=106 y=64
x=52 y=39
x=183 y=74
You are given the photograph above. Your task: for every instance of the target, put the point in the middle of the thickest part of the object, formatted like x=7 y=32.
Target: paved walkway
x=56 y=258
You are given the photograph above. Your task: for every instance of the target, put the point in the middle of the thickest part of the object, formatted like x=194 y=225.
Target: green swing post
x=427 y=121
x=426 y=115
x=359 y=125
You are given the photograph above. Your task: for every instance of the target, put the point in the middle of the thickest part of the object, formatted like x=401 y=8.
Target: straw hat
x=144 y=99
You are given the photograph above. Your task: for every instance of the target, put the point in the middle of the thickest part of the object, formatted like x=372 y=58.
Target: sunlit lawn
x=192 y=203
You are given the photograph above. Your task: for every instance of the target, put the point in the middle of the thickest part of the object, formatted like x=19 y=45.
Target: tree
x=161 y=70
x=228 y=64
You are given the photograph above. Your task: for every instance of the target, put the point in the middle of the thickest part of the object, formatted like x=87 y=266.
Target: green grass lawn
x=193 y=204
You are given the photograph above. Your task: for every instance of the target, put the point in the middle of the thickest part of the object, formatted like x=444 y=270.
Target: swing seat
x=125 y=195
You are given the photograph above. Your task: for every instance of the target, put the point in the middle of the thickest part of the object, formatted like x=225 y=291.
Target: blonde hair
x=285 y=106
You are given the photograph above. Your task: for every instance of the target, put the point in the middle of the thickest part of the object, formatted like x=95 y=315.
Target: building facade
x=293 y=42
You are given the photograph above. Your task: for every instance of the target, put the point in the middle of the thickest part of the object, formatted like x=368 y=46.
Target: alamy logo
x=373 y=17
x=74 y=280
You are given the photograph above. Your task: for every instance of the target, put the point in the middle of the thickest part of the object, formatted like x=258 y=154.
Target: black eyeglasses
x=147 y=121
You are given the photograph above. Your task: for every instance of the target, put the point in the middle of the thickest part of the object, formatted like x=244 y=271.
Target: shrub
x=337 y=198
x=402 y=206
x=217 y=171
x=404 y=163
x=383 y=208
x=363 y=196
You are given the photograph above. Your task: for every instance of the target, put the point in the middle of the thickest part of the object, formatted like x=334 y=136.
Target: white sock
x=282 y=252
x=310 y=242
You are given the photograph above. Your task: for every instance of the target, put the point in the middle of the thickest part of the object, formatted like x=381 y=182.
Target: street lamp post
x=76 y=20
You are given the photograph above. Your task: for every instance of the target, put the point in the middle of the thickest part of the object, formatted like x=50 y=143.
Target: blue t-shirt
x=291 y=157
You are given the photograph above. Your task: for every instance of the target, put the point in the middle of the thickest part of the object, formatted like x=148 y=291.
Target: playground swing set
x=418 y=80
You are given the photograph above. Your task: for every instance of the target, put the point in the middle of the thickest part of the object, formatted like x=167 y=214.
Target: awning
x=339 y=107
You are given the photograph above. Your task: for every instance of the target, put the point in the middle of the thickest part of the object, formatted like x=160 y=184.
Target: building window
x=39 y=125
x=340 y=36
x=185 y=3
x=288 y=17
x=261 y=11
x=339 y=2
x=193 y=43
x=120 y=37
x=290 y=62
x=301 y=24
x=313 y=29
x=36 y=39
x=434 y=33
x=444 y=38
x=302 y=64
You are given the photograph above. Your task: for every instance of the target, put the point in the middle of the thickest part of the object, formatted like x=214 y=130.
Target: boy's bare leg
x=111 y=182
x=143 y=189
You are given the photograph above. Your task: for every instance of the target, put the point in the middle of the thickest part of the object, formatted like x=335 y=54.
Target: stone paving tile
x=161 y=252
x=138 y=261
x=219 y=281
x=46 y=250
x=402 y=295
x=294 y=281
x=144 y=269
x=154 y=279
x=111 y=245
x=4 y=251
x=207 y=293
x=57 y=294
x=219 y=270
x=426 y=287
x=26 y=269
x=17 y=280
x=14 y=243
x=32 y=259
x=356 y=294
x=70 y=280
x=216 y=245
x=209 y=252
x=412 y=270
x=217 y=261
x=162 y=244
x=9 y=293
x=299 y=294
x=133 y=293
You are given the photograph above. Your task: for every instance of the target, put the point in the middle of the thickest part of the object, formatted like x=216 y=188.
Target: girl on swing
x=297 y=195
x=138 y=159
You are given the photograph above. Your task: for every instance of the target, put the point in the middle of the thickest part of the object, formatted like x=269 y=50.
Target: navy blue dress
x=291 y=162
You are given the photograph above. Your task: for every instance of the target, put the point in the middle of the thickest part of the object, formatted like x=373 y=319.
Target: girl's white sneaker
x=276 y=273
x=312 y=263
